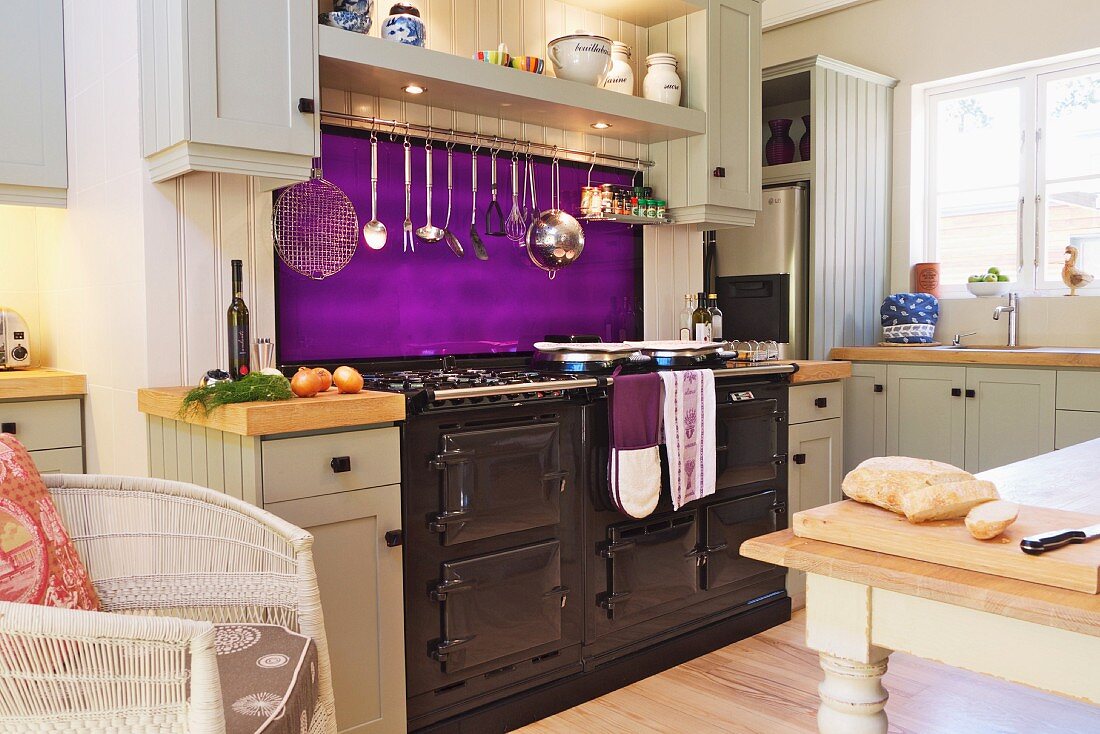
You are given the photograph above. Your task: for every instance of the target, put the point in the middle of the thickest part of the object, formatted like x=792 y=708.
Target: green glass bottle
x=237 y=321
x=701 y=320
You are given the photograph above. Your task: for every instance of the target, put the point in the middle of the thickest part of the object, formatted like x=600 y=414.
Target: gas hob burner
x=440 y=382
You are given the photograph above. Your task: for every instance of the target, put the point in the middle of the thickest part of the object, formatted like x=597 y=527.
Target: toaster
x=15 y=343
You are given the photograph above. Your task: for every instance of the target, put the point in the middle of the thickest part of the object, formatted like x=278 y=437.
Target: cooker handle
x=442 y=649
x=559 y=475
x=616 y=546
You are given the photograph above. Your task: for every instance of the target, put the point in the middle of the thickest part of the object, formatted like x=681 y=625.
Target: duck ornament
x=1073 y=276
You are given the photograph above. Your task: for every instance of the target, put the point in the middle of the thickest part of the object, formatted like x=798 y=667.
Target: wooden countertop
x=1040 y=357
x=1065 y=479
x=820 y=371
x=41 y=383
x=328 y=410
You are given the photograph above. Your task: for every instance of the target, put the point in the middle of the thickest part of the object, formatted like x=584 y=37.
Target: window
x=1012 y=174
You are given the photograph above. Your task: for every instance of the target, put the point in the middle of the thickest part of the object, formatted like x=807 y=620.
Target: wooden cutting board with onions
x=948 y=543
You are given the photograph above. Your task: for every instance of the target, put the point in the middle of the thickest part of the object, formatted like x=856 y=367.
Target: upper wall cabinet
x=713 y=180
x=32 y=85
x=229 y=86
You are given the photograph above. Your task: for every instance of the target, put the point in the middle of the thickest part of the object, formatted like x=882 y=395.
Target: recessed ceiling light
x=414 y=89
x=601 y=125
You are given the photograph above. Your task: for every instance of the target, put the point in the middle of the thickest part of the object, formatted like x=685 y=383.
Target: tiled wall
x=25 y=231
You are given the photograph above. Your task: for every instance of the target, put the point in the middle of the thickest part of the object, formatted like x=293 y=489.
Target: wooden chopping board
x=948 y=543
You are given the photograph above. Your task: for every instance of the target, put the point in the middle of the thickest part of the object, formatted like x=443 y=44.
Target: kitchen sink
x=995 y=348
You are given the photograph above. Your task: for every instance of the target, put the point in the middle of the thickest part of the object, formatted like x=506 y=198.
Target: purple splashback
x=389 y=303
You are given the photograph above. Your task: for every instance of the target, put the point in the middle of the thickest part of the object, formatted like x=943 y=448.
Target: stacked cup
x=351 y=15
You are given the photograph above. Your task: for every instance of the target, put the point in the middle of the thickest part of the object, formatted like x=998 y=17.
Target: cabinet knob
x=8 y=428
x=971 y=393
x=340 y=464
x=305 y=104
x=956 y=392
x=821 y=402
x=719 y=172
x=799 y=458
x=395 y=538
x=879 y=388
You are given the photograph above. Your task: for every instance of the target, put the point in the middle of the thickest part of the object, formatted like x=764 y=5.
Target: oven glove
x=636 y=480
x=634 y=425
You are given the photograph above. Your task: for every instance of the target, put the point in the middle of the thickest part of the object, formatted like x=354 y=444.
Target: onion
x=326 y=378
x=305 y=383
x=347 y=379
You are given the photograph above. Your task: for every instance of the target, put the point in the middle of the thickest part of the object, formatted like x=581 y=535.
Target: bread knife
x=1037 y=544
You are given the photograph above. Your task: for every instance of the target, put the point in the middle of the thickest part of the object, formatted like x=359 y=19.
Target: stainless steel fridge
x=762 y=273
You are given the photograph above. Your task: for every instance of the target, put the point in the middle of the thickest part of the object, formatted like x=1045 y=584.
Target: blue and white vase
x=404 y=25
x=362 y=7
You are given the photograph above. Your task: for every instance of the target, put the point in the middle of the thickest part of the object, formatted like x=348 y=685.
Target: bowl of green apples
x=990 y=284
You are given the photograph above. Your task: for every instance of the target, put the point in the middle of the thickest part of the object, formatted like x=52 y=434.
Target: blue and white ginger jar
x=404 y=25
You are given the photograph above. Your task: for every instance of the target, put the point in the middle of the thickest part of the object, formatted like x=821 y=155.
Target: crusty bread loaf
x=884 y=480
x=990 y=519
x=946 y=501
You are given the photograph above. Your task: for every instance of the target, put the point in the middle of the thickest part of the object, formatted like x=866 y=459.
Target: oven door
x=649 y=563
x=498 y=481
x=499 y=605
x=726 y=525
x=747 y=439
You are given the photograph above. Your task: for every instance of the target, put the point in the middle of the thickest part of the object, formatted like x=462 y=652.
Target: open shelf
x=643 y=13
x=625 y=219
x=360 y=63
x=797 y=171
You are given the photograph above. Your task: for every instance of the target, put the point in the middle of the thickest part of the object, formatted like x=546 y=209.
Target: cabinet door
x=1072 y=427
x=733 y=105
x=32 y=85
x=361 y=587
x=1009 y=415
x=864 y=414
x=926 y=412
x=248 y=67
x=815 y=474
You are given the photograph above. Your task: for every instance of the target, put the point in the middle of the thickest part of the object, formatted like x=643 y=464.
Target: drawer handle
x=821 y=402
x=879 y=388
x=799 y=458
x=306 y=105
x=395 y=538
x=956 y=392
x=340 y=464
x=971 y=393
x=8 y=428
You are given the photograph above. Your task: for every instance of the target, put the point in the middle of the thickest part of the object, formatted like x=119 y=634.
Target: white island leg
x=838 y=626
x=852 y=697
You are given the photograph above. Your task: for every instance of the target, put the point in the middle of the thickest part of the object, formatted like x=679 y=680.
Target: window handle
x=1020 y=235
x=1038 y=218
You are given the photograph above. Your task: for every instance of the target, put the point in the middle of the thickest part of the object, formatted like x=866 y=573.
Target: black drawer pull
x=340 y=464
x=821 y=402
x=879 y=388
x=971 y=393
x=8 y=428
x=395 y=538
x=799 y=458
x=956 y=392
x=306 y=105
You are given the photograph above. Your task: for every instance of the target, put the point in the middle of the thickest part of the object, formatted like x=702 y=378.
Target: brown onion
x=305 y=383
x=326 y=378
x=347 y=379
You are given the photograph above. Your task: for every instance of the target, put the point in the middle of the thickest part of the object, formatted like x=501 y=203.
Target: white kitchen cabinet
x=1009 y=415
x=926 y=412
x=361 y=594
x=865 y=414
x=229 y=87
x=713 y=180
x=1072 y=427
x=33 y=167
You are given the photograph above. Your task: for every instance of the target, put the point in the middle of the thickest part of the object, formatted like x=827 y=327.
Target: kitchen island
x=864 y=605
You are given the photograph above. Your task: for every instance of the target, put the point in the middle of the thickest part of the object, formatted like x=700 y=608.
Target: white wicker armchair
x=168 y=560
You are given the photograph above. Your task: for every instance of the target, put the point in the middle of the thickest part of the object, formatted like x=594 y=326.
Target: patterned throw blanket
x=689 y=425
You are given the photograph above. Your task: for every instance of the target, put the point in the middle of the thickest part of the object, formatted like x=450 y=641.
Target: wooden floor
x=768 y=685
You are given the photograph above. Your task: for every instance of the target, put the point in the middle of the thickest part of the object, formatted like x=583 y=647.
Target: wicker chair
x=168 y=560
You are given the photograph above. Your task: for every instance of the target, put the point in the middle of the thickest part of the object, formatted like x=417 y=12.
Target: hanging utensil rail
x=439 y=134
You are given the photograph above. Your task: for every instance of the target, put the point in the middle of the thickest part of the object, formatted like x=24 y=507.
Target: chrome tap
x=1013 y=311
x=957 y=341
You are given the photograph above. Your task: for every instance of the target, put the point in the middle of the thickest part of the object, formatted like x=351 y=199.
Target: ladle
x=428 y=232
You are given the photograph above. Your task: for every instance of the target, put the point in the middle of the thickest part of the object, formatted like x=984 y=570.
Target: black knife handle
x=1036 y=544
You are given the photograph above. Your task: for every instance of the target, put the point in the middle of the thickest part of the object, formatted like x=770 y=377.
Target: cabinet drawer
x=311 y=466
x=816 y=402
x=1078 y=391
x=59 y=461
x=44 y=424
x=1072 y=427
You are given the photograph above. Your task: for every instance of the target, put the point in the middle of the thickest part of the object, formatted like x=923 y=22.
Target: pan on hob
x=582 y=357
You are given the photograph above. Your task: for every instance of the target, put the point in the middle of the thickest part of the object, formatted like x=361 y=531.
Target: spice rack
x=625 y=219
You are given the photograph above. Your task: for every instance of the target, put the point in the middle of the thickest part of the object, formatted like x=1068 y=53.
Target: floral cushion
x=268 y=678
x=38 y=562
x=910 y=318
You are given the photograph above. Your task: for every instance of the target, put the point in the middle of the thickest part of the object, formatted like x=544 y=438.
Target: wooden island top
x=41 y=382
x=1064 y=479
x=327 y=410
x=1037 y=357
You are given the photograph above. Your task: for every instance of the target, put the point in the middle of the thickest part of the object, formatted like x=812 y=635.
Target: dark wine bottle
x=237 y=320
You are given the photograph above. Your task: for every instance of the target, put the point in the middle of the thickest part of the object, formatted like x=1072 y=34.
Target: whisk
x=515 y=226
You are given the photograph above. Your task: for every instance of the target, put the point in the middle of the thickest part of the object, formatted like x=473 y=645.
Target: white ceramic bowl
x=581 y=57
x=989 y=290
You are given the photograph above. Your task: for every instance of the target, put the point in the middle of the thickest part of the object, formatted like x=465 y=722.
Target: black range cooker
x=526 y=591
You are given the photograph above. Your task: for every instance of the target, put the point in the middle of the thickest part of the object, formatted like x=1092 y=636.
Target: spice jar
x=591 y=201
x=662 y=83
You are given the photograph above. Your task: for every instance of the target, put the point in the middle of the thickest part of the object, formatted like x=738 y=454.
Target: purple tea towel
x=634 y=470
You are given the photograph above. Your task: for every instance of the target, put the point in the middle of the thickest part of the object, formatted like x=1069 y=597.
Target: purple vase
x=780 y=147
x=804 y=143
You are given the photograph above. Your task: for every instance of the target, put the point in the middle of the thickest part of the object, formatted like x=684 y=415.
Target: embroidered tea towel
x=689 y=420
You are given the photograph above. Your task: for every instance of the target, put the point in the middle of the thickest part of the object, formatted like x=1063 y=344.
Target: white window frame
x=1031 y=79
